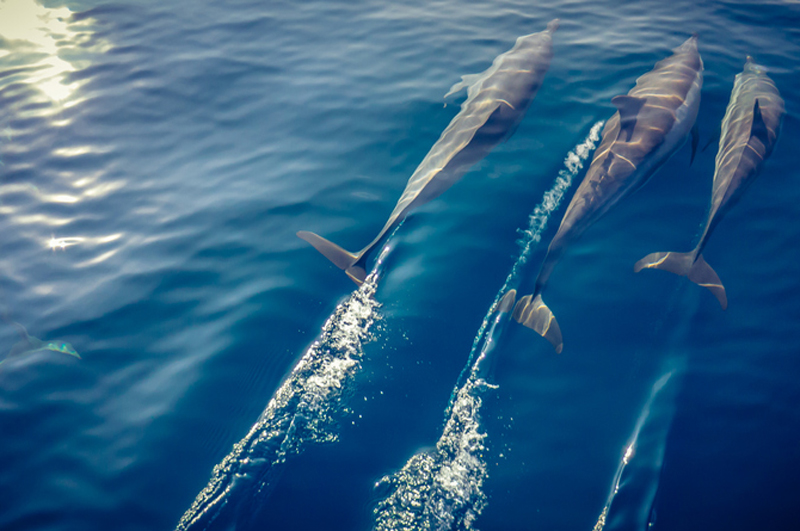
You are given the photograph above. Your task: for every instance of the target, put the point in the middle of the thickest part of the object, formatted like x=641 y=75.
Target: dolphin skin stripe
x=749 y=131
x=497 y=100
x=652 y=121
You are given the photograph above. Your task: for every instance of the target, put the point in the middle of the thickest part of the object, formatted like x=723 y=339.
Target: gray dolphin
x=29 y=344
x=749 y=131
x=652 y=121
x=496 y=102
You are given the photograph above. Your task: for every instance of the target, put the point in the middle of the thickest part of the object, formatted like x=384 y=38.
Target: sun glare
x=33 y=38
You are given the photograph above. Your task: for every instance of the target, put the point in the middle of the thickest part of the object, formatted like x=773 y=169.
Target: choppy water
x=156 y=160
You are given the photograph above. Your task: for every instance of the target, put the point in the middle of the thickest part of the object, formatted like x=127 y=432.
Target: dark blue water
x=156 y=160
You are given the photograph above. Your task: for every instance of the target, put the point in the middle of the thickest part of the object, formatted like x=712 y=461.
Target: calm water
x=156 y=160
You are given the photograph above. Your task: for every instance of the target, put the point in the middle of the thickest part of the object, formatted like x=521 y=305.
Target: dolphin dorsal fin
x=466 y=82
x=628 y=107
x=759 y=128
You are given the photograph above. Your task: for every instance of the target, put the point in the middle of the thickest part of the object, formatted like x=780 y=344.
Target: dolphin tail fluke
x=685 y=264
x=342 y=259
x=357 y=274
x=532 y=312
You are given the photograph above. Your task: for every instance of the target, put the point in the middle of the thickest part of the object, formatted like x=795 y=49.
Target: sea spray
x=443 y=488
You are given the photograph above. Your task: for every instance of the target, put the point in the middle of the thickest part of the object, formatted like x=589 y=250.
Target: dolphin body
x=30 y=344
x=496 y=102
x=749 y=132
x=652 y=121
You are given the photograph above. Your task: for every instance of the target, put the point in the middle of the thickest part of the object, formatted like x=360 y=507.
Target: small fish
x=496 y=102
x=30 y=344
x=749 y=131
x=652 y=121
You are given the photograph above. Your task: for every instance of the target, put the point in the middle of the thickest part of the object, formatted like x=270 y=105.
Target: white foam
x=443 y=488
x=302 y=411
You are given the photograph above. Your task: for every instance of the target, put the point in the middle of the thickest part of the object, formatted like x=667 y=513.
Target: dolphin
x=652 y=121
x=30 y=344
x=749 y=131
x=496 y=102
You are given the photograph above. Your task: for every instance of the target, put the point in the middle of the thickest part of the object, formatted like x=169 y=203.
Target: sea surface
x=157 y=159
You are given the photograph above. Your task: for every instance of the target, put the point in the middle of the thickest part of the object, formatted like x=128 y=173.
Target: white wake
x=443 y=488
x=302 y=411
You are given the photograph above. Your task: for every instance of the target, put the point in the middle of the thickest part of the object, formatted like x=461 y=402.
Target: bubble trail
x=301 y=412
x=442 y=488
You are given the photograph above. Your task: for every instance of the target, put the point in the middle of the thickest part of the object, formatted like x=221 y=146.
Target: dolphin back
x=652 y=121
x=749 y=132
x=496 y=102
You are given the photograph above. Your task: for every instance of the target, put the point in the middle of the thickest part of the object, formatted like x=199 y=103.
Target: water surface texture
x=156 y=161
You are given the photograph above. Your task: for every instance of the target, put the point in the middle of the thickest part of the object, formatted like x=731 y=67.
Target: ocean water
x=156 y=161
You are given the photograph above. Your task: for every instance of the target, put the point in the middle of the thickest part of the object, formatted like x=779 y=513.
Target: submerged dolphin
x=652 y=121
x=30 y=344
x=749 y=131
x=496 y=102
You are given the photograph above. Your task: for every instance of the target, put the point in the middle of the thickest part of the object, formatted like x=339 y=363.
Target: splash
x=303 y=411
x=443 y=488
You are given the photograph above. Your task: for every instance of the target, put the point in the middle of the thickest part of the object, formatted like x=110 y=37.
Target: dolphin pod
x=496 y=102
x=749 y=131
x=652 y=121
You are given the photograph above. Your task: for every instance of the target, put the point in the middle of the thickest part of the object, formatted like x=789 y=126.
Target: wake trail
x=631 y=502
x=443 y=488
x=302 y=411
x=644 y=457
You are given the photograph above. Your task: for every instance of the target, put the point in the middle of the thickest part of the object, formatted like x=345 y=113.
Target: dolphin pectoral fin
x=340 y=258
x=537 y=316
x=695 y=141
x=685 y=264
x=628 y=107
x=759 y=129
x=711 y=140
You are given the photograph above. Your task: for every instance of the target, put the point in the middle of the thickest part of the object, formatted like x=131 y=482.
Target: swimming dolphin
x=30 y=344
x=749 y=131
x=496 y=102
x=652 y=121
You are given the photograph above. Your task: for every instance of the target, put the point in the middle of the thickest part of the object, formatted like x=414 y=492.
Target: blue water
x=156 y=161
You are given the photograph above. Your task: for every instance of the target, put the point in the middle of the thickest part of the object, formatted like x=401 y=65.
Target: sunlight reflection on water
x=41 y=43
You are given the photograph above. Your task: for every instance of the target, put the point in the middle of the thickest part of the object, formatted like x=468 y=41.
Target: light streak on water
x=443 y=488
x=644 y=457
x=302 y=411
x=43 y=45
